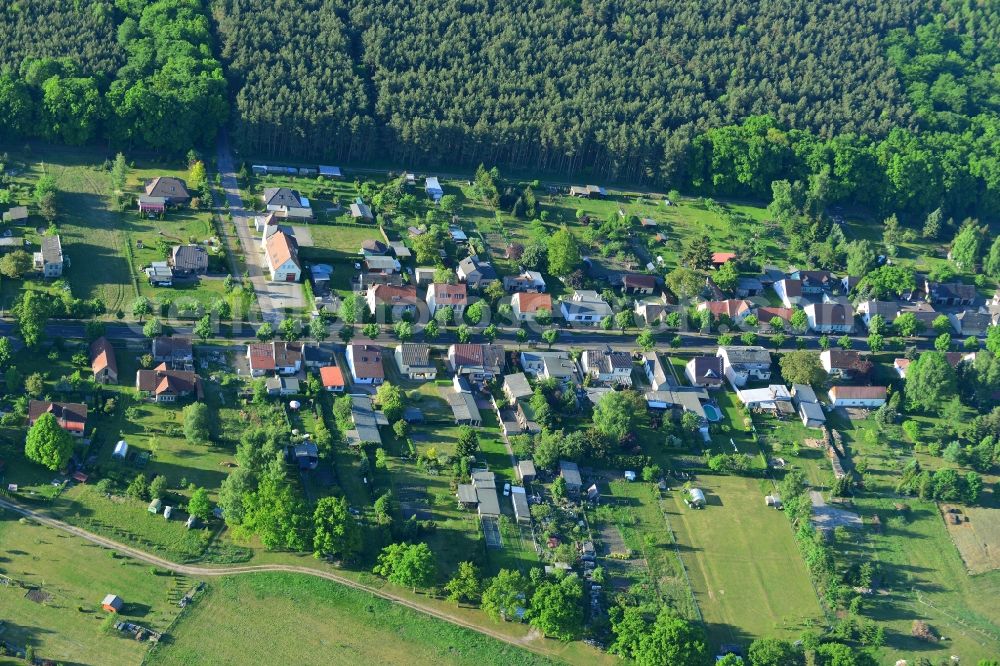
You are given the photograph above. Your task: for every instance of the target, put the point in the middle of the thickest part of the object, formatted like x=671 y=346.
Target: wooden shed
x=112 y=603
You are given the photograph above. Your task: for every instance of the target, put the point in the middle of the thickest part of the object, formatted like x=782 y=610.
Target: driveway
x=272 y=298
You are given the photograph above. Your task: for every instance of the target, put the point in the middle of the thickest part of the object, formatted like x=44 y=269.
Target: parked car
x=506 y=489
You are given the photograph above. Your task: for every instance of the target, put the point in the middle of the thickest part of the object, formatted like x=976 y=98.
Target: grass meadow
x=285 y=618
x=76 y=575
x=745 y=569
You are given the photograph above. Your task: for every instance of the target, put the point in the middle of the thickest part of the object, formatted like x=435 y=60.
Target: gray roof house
x=555 y=365
x=742 y=363
x=189 y=260
x=463 y=407
x=516 y=387
x=414 y=361
x=474 y=272
x=50 y=260
x=585 y=306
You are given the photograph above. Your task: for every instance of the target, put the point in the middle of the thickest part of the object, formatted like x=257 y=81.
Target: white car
x=506 y=489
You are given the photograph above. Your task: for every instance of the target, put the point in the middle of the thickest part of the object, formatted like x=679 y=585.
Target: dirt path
x=530 y=641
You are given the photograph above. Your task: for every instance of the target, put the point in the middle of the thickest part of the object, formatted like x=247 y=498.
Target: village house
x=840 y=363
x=741 y=364
x=526 y=470
x=151 y=206
x=71 y=416
x=475 y=273
x=767 y=314
x=381 y=265
x=773 y=399
x=720 y=258
x=950 y=294
x=50 y=260
x=365 y=363
x=283 y=386
x=283 y=358
x=954 y=359
x=176 y=352
x=287 y=203
x=282 y=256
x=810 y=411
x=102 y=361
x=332 y=378
x=463 y=407
x=790 y=292
x=747 y=287
x=455 y=296
x=650 y=312
x=638 y=284
x=526 y=305
x=735 y=310
x=478 y=362
x=172 y=190
x=528 y=281
x=924 y=312
x=424 y=276
x=189 y=260
x=480 y=494
x=161 y=384
x=680 y=399
x=830 y=317
x=705 y=371
x=414 y=361
x=858 y=396
x=391 y=302
x=555 y=365
x=970 y=323
x=609 y=367
x=656 y=371
x=887 y=310
x=516 y=387
x=585 y=306
x=815 y=283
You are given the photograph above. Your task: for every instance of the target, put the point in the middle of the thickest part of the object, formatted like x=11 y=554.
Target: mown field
x=284 y=618
x=76 y=576
x=745 y=569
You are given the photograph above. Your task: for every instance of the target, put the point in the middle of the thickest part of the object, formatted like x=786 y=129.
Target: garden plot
x=978 y=538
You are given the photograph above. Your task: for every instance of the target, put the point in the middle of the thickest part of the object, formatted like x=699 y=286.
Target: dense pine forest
x=893 y=104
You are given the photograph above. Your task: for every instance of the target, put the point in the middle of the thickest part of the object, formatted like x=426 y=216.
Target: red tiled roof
x=102 y=356
x=531 y=303
x=858 y=392
x=390 y=295
x=639 y=281
x=731 y=307
x=261 y=356
x=454 y=294
x=331 y=376
x=70 y=415
x=722 y=257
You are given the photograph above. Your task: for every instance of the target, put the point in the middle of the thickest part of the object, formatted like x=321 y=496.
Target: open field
x=297 y=620
x=746 y=571
x=77 y=575
x=978 y=541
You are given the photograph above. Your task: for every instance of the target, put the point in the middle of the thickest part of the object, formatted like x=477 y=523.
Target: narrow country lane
x=197 y=571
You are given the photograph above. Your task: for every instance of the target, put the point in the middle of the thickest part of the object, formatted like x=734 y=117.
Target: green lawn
x=77 y=575
x=265 y=618
x=745 y=569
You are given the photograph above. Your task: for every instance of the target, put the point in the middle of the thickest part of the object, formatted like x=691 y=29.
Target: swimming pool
x=712 y=413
